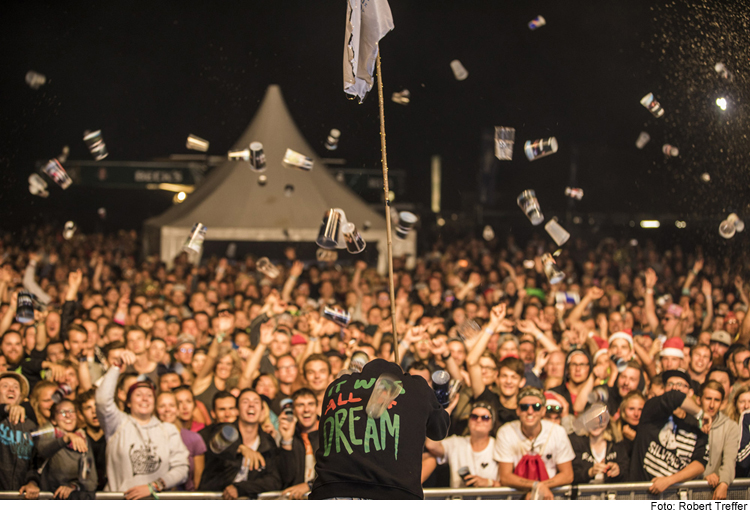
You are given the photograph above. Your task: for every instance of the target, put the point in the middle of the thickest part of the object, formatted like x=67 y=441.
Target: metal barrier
x=692 y=490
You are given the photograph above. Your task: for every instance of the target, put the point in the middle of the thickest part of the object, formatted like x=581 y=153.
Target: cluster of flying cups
x=505 y=138
x=730 y=226
x=529 y=204
x=336 y=232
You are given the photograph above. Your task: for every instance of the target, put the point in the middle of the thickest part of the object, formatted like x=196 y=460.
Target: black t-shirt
x=100 y=459
x=665 y=444
x=375 y=459
x=503 y=414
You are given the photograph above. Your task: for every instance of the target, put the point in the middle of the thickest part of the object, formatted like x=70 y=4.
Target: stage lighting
x=721 y=103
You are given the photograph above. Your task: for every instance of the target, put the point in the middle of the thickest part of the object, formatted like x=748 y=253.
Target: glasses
x=525 y=406
x=65 y=414
x=579 y=365
x=483 y=417
x=186 y=350
x=487 y=368
x=289 y=367
x=554 y=409
x=680 y=385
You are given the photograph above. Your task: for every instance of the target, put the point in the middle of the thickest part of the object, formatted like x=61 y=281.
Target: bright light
x=179 y=197
x=721 y=103
x=441 y=222
x=680 y=224
x=650 y=224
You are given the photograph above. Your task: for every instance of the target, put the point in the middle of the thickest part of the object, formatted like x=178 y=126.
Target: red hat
x=146 y=382
x=626 y=334
x=729 y=316
x=673 y=347
x=298 y=339
x=600 y=342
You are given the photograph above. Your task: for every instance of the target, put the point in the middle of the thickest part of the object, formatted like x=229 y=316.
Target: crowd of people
x=138 y=376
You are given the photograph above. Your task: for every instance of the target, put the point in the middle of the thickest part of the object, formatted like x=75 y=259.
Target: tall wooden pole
x=387 y=212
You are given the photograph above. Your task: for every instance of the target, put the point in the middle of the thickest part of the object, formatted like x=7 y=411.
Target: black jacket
x=584 y=460
x=221 y=469
x=17 y=451
x=361 y=457
x=292 y=463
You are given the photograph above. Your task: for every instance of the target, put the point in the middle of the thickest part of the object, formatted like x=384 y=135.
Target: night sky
x=150 y=73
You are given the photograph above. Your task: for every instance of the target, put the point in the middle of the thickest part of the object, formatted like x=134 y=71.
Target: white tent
x=233 y=207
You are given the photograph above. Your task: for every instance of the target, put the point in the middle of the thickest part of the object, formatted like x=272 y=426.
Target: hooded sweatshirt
x=138 y=454
x=17 y=451
x=66 y=467
x=723 y=443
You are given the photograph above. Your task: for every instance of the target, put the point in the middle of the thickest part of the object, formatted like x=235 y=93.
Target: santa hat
x=627 y=335
x=673 y=347
x=600 y=353
x=552 y=398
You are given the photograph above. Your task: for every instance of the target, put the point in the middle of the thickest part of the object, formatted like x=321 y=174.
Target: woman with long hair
x=739 y=403
x=600 y=454
x=220 y=372
x=628 y=417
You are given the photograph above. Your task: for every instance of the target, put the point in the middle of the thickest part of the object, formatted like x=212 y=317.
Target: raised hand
x=651 y=278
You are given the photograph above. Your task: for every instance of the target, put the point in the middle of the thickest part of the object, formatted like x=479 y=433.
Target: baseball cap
x=532 y=391
x=720 y=336
x=298 y=339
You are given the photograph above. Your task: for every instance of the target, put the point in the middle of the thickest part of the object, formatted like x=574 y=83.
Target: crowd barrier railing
x=693 y=490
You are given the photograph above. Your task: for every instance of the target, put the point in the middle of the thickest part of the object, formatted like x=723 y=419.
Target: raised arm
x=250 y=372
x=29 y=280
x=106 y=408
x=692 y=274
x=294 y=275
x=709 y=317
x=648 y=297
x=593 y=294
x=497 y=314
x=10 y=313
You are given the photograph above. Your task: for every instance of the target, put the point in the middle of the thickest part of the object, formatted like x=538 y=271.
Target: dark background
x=148 y=74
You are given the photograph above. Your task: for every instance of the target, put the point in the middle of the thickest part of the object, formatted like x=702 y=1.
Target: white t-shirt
x=512 y=445
x=459 y=454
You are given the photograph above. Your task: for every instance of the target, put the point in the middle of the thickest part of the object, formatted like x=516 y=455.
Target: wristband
x=489 y=331
x=699 y=417
x=447 y=356
x=287 y=442
x=153 y=493
x=650 y=290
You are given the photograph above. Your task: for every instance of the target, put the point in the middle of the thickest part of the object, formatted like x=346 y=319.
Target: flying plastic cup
x=738 y=224
x=25 y=308
x=385 y=391
x=326 y=255
x=266 y=268
x=257 y=157
x=194 y=242
x=359 y=360
x=643 y=139
x=723 y=72
x=95 y=144
x=598 y=395
x=354 y=242
x=652 y=105
x=574 y=193
x=553 y=273
x=37 y=186
x=239 y=155
x=43 y=431
x=504 y=139
x=557 y=232
x=540 y=148
x=530 y=206
x=35 y=79
x=459 y=72
x=262 y=180
x=330 y=230
x=441 y=386
x=69 y=230
x=401 y=97
x=332 y=142
x=537 y=23
x=196 y=143
x=295 y=160
x=406 y=222
x=468 y=329
x=730 y=226
x=338 y=316
x=670 y=150
x=54 y=170
x=223 y=438
x=595 y=417
x=488 y=233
